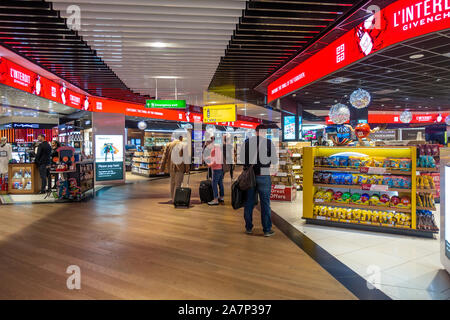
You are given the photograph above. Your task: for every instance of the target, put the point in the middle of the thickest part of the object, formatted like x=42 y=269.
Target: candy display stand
x=23 y=178
x=388 y=212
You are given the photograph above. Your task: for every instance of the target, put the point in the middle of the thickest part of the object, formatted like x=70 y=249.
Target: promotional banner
x=109 y=157
x=400 y=21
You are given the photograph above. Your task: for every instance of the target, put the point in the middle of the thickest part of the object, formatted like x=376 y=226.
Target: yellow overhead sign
x=219 y=113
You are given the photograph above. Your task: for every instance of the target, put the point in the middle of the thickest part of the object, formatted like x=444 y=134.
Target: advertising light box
x=219 y=113
x=109 y=157
x=289 y=128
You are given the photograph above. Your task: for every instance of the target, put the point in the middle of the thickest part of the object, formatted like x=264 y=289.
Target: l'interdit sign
x=166 y=104
x=400 y=21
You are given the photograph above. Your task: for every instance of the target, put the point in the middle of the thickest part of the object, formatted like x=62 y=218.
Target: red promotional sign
x=401 y=20
x=395 y=118
x=13 y=75
x=283 y=194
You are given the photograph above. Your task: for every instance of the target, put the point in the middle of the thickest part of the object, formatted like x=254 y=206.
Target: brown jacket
x=167 y=164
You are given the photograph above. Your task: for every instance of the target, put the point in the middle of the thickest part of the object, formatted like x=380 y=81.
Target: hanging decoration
x=360 y=98
x=447 y=120
x=339 y=113
x=142 y=125
x=406 y=116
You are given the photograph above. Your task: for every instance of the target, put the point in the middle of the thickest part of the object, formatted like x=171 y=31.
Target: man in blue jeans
x=261 y=153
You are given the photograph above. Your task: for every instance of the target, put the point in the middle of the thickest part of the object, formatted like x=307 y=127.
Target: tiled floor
x=409 y=267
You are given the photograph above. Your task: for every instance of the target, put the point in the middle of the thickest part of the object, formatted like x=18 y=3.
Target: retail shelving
x=394 y=226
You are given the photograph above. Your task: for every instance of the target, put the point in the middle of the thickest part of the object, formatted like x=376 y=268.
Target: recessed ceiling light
x=398 y=106
x=339 y=80
x=316 y=102
x=294 y=95
x=438 y=79
x=158 y=44
x=382 y=105
x=431 y=97
x=417 y=56
x=262 y=114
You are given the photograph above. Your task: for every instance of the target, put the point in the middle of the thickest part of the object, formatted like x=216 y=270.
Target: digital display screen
x=447 y=212
x=289 y=127
x=109 y=157
x=310 y=135
x=300 y=127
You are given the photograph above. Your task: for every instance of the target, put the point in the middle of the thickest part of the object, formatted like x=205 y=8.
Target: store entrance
x=28 y=121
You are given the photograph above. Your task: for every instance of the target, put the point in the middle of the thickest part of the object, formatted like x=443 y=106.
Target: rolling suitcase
x=206 y=192
x=182 y=196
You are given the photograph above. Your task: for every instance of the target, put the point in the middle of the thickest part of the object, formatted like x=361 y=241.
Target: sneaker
x=269 y=233
x=221 y=201
x=213 y=203
x=248 y=231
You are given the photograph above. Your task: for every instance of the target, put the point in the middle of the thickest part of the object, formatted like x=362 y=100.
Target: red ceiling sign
x=395 y=118
x=13 y=75
x=400 y=21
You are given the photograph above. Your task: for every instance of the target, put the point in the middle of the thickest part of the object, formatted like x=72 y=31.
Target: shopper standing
x=43 y=160
x=215 y=162
x=261 y=167
x=229 y=155
x=176 y=170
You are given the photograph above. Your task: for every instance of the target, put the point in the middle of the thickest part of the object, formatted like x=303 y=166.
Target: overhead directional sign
x=219 y=113
x=166 y=104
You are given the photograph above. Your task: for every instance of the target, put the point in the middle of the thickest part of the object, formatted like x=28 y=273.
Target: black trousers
x=43 y=172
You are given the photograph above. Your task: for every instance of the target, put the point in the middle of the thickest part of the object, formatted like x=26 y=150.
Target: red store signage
x=395 y=118
x=400 y=21
x=16 y=76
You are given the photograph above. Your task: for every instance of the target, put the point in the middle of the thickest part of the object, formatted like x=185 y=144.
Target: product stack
x=3 y=183
x=147 y=163
x=296 y=151
x=283 y=180
x=86 y=176
x=428 y=163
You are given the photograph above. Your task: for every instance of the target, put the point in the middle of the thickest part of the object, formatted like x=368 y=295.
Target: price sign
x=372 y=170
x=374 y=187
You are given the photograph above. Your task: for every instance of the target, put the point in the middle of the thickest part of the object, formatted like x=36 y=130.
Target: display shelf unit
x=310 y=188
x=148 y=163
x=359 y=187
x=355 y=170
x=361 y=206
x=17 y=180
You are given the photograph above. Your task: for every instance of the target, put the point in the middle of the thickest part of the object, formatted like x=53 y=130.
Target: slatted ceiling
x=196 y=32
x=34 y=30
x=269 y=33
x=395 y=81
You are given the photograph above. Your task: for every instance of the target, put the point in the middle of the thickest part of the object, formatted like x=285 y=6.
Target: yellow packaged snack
x=366 y=162
x=378 y=162
x=375 y=216
x=357 y=214
x=349 y=214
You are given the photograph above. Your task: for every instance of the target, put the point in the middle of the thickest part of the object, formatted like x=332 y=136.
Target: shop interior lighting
x=417 y=56
x=158 y=44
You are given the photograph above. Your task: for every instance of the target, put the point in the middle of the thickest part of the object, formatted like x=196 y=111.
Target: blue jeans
x=263 y=187
x=217 y=180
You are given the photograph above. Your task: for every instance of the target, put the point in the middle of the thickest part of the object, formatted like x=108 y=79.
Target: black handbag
x=247 y=179
x=238 y=196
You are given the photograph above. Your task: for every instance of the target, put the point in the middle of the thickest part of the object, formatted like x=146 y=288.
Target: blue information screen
x=289 y=127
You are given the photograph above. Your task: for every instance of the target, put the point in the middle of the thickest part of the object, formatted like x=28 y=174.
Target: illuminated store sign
x=16 y=76
x=400 y=21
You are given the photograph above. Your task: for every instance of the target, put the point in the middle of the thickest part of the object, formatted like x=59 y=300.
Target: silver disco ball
x=447 y=120
x=360 y=98
x=406 y=116
x=142 y=125
x=339 y=113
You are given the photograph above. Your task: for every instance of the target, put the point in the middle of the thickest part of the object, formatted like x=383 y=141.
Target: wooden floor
x=130 y=244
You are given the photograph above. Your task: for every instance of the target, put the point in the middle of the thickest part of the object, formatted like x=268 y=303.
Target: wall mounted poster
x=109 y=157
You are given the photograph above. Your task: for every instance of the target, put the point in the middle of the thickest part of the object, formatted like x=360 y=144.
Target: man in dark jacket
x=43 y=160
x=261 y=153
